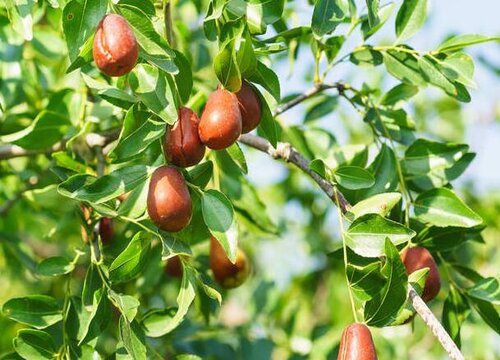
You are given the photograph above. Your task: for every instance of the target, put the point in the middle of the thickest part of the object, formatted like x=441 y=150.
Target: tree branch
x=308 y=94
x=286 y=152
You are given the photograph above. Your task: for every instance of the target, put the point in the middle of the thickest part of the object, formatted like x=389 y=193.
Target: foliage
x=91 y=139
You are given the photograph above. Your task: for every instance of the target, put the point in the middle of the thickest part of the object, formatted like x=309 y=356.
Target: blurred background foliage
x=295 y=304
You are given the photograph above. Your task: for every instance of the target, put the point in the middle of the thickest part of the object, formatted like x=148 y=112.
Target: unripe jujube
x=174 y=267
x=250 y=107
x=220 y=124
x=182 y=145
x=115 y=47
x=227 y=274
x=417 y=258
x=357 y=344
x=169 y=201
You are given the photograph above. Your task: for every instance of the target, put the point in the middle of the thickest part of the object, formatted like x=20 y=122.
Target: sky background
x=445 y=17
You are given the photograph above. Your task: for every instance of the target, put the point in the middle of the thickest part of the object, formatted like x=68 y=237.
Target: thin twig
x=308 y=94
x=287 y=153
x=169 y=30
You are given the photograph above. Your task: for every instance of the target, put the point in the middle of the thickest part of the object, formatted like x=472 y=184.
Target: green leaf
x=133 y=338
x=99 y=190
x=262 y=13
x=432 y=73
x=80 y=19
x=127 y=304
x=459 y=67
x=460 y=41
x=428 y=164
x=217 y=211
x=487 y=312
x=366 y=55
x=411 y=16
x=85 y=55
x=268 y=79
x=54 y=266
x=364 y=276
x=487 y=289
x=92 y=283
x=94 y=322
x=378 y=204
x=353 y=177
x=392 y=124
x=20 y=16
x=38 y=311
x=226 y=68
x=184 y=78
x=383 y=168
x=238 y=157
x=373 y=7
x=367 y=234
x=137 y=141
x=441 y=207
x=268 y=126
x=416 y=280
x=132 y=260
x=455 y=310
x=156 y=90
x=159 y=323
x=327 y=15
x=404 y=66
x=399 y=93
x=383 y=308
x=201 y=174
x=443 y=239
x=110 y=93
x=47 y=129
x=34 y=344
x=383 y=15
x=245 y=56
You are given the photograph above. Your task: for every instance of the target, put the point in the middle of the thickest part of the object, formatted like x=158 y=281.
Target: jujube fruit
x=115 y=47
x=182 y=145
x=169 y=202
x=220 y=124
x=174 y=267
x=227 y=274
x=417 y=258
x=357 y=344
x=250 y=107
x=106 y=230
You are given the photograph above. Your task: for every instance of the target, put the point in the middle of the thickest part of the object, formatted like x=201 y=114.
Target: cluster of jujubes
x=225 y=117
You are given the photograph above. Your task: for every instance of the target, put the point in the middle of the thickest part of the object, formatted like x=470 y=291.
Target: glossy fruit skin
x=227 y=274
x=106 y=230
x=174 y=267
x=169 y=202
x=115 y=46
x=182 y=144
x=417 y=258
x=250 y=107
x=357 y=344
x=220 y=124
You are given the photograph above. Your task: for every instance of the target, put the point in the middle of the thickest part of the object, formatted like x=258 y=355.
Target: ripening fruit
x=417 y=258
x=115 y=47
x=106 y=230
x=174 y=267
x=357 y=344
x=220 y=124
x=250 y=107
x=227 y=274
x=169 y=202
x=182 y=145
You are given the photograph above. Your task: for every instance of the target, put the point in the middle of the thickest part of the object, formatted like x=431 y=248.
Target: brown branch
x=286 y=152
x=308 y=94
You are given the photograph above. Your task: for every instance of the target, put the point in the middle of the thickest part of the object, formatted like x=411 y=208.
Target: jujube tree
x=134 y=142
